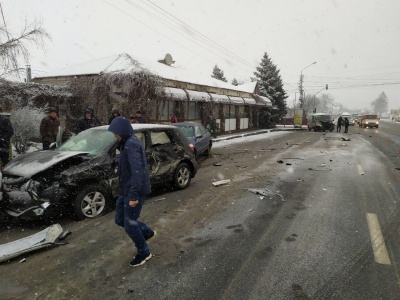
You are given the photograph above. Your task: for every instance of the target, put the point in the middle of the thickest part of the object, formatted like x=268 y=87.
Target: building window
x=229 y=111
x=163 y=110
x=193 y=110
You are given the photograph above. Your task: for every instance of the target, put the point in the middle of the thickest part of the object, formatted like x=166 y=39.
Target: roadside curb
x=255 y=133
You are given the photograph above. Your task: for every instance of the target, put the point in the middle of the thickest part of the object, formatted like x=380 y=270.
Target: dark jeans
x=127 y=217
x=338 y=128
x=46 y=145
x=4 y=156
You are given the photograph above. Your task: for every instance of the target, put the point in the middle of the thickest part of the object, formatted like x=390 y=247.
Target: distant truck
x=369 y=120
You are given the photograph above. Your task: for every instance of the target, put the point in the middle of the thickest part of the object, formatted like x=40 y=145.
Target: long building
x=190 y=96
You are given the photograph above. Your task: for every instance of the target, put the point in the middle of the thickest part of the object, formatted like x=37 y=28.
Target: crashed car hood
x=32 y=163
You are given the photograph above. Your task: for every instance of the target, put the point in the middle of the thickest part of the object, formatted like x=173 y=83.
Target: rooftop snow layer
x=126 y=63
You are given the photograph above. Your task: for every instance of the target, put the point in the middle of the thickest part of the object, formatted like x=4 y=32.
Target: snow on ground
x=250 y=138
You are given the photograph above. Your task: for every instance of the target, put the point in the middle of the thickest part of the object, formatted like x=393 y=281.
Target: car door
x=163 y=154
x=204 y=140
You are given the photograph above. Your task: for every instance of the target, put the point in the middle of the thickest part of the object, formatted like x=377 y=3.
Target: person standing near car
x=114 y=113
x=85 y=122
x=346 y=125
x=134 y=187
x=49 y=128
x=6 y=132
x=140 y=118
x=339 y=124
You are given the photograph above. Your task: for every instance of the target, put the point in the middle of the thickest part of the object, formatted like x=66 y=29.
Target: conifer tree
x=235 y=82
x=271 y=86
x=380 y=104
x=218 y=74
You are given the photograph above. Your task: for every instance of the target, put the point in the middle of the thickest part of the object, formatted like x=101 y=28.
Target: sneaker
x=140 y=259
x=150 y=236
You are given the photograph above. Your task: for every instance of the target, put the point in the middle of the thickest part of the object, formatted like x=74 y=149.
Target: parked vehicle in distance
x=348 y=116
x=80 y=177
x=369 y=120
x=198 y=135
x=357 y=119
x=320 y=121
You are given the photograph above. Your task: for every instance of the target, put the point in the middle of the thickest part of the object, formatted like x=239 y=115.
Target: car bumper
x=22 y=205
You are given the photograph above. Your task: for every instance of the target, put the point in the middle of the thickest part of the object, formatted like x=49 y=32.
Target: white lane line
x=378 y=243
x=360 y=170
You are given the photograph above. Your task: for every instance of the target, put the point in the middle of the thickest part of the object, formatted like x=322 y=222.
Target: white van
x=348 y=116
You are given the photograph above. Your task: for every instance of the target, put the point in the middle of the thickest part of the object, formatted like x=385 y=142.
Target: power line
x=172 y=27
x=237 y=57
x=156 y=31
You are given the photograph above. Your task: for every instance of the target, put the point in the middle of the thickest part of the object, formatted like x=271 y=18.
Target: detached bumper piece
x=45 y=238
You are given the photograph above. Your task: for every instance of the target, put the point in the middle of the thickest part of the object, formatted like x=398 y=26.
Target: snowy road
x=306 y=216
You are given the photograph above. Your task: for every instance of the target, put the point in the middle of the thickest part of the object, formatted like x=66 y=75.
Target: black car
x=81 y=175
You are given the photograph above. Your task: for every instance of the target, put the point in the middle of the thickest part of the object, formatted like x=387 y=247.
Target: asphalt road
x=307 y=215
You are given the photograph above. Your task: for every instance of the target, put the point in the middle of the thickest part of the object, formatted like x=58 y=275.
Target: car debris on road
x=221 y=182
x=45 y=238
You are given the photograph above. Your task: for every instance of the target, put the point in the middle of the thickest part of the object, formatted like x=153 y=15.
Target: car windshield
x=91 y=141
x=187 y=130
x=371 y=117
x=325 y=118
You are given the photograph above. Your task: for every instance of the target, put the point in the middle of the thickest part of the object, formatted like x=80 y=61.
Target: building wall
x=230 y=117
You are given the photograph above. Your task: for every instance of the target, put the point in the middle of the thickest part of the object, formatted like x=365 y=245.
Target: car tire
x=309 y=128
x=182 y=176
x=92 y=201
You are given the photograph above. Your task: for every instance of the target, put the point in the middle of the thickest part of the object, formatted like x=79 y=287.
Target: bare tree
x=15 y=46
x=26 y=124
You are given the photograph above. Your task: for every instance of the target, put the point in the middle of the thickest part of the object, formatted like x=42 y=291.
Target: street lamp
x=301 y=83
x=325 y=88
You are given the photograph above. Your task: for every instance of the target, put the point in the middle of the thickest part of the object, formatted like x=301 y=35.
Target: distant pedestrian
x=346 y=125
x=85 y=122
x=49 y=128
x=140 y=118
x=174 y=119
x=95 y=119
x=114 y=113
x=339 y=124
x=6 y=132
x=134 y=187
x=132 y=119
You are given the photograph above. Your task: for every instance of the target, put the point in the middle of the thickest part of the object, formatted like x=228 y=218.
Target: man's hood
x=32 y=163
x=122 y=127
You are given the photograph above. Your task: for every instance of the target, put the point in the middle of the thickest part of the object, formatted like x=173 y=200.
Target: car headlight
x=377 y=122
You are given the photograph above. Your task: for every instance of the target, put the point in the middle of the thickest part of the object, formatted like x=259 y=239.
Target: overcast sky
x=356 y=43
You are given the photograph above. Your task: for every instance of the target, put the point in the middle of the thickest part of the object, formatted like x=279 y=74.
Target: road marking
x=360 y=170
x=378 y=243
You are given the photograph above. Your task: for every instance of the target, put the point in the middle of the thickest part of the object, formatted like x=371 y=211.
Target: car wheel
x=309 y=128
x=182 y=176
x=92 y=201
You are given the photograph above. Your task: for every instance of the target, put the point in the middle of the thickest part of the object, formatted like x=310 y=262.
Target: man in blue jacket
x=134 y=187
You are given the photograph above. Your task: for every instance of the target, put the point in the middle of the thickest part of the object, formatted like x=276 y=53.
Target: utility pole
x=301 y=84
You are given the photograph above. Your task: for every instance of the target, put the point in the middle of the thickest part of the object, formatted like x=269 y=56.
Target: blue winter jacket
x=134 y=180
